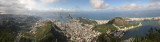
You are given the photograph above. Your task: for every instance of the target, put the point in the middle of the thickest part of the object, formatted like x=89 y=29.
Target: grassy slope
x=44 y=32
x=104 y=28
x=128 y=25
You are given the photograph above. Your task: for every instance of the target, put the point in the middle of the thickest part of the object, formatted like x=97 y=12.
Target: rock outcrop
x=69 y=17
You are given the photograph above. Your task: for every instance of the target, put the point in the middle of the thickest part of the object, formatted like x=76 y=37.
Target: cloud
x=53 y=9
x=11 y=6
x=29 y=4
x=154 y=5
x=130 y=6
x=25 y=7
x=98 y=4
x=127 y=7
x=48 y=1
x=137 y=7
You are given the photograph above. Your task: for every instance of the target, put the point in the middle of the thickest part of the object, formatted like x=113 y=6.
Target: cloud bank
x=134 y=6
x=26 y=6
x=11 y=6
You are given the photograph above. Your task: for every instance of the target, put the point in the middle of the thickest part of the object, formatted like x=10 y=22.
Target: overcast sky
x=25 y=6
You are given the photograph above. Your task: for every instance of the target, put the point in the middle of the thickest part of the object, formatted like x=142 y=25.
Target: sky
x=26 y=6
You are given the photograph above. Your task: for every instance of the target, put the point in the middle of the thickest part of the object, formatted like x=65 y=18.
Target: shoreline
x=127 y=28
x=102 y=21
x=130 y=19
x=144 y=19
x=120 y=32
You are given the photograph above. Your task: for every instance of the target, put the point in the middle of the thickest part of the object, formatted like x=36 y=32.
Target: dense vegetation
x=48 y=33
x=117 y=21
x=153 y=36
x=8 y=31
x=6 y=36
x=121 y=22
x=118 y=18
x=12 y=25
x=107 y=38
x=16 y=28
x=104 y=37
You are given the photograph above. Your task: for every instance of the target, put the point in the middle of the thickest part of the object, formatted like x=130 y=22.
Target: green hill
x=8 y=30
x=49 y=33
x=86 y=21
x=118 y=21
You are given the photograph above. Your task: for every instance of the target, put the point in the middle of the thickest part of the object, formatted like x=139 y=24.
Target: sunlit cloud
x=29 y=4
x=98 y=4
x=25 y=6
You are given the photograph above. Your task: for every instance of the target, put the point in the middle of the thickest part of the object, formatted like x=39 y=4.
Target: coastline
x=121 y=31
x=102 y=21
x=144 y=19
x=127 y=28
x=130 y=19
